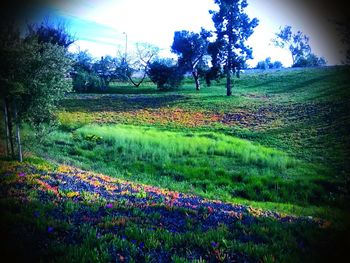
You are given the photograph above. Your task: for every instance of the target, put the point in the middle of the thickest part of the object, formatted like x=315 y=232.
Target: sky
x=103 y=27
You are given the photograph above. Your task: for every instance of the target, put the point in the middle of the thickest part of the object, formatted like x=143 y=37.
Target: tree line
x=36 y=68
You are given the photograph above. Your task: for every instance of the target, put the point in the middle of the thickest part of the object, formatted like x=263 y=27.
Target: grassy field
x=280 y=143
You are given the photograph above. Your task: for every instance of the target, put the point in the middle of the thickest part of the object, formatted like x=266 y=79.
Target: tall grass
x=210 y=164
x=155 y=145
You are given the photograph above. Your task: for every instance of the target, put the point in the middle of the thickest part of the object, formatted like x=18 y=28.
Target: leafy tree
x=311 y=60
x=268 y=64
x=47 y=33
x=33 y=77
x=191 y=49
x=233 y=28
x=343 y=28
x=87 y=75
x=297 y=43
x=165 y=74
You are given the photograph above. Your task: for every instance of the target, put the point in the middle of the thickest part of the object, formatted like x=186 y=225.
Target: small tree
x=310 y=60
x=165 y=74
x=343 y=28
x=137 y=62
x=33 y=77
x=191 y=49
x=90 y=76
x=233 y=28
x=268 y=64
x=297 y=43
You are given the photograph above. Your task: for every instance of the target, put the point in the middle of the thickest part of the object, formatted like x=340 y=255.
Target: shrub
x=267 y=64
x=310 y=61
x=85 y=81
x=165 y=74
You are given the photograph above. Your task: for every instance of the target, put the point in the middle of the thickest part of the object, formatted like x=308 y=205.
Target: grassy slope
x=302 y=113
x=282 y=137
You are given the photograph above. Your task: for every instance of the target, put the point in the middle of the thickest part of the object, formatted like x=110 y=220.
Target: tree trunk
x=196 y=79
x=7 y=130
x=228 y=82
x=10 y=128
x=18 y=135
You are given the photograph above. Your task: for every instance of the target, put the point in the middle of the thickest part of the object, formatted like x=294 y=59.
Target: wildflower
x=109 y=205
x=214 y=244
x=142 y=245
x=21 y=174
x=50 y=229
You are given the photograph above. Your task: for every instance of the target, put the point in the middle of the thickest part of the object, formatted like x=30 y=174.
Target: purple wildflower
x=21 y=174
x=50 y=229
x=142 y=245
x=214 y=244
x=109 y=205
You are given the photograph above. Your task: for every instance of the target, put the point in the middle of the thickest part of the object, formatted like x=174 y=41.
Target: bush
x=85 y=81
x=165 y=74
x=310 y=61
x=267 y=64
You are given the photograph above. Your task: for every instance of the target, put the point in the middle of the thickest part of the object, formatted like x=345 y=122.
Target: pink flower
x=109 y=205
x=21 y=174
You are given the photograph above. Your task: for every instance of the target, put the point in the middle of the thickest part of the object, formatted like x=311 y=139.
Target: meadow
x=276 y=153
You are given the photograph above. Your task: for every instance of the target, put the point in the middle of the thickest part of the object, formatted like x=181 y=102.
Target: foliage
x=297 y=43
x=165 y=74
x=233 y=28
x=33 y=77
x=191 y=49
x=343 y=28
x=50 y=33
x=268 y=64
x=311 y=60
x=88 y=76
x=115 y=220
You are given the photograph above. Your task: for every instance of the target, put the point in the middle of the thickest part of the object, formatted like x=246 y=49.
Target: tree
x=268 y=64
x=47 y=33
x=343 y=28
x=33 y=77
x=297 y=43
x=191 y=49
x=311 y=60
x=233 y=28
x=137 y=63
x=165 y=74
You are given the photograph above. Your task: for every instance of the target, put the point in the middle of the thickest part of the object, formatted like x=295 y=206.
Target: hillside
x=137 y=174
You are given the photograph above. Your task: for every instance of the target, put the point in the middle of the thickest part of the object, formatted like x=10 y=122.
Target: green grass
x=210 y=164
x=290 y=153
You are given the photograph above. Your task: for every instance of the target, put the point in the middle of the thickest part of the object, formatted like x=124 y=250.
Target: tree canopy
x=191 y=48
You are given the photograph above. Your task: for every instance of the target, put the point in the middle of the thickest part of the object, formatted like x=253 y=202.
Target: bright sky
x=98 y=25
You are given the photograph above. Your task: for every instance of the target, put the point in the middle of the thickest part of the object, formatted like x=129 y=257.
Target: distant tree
x=268 y=64
x=136 y=63
x=85 y=73
x=311 y=60
x=233 y=28
x=165 y=74
x=277 y=64
x=33 y=78
x=105 y=68
x=343 y=28
x=191 y=48
x=297 y=43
